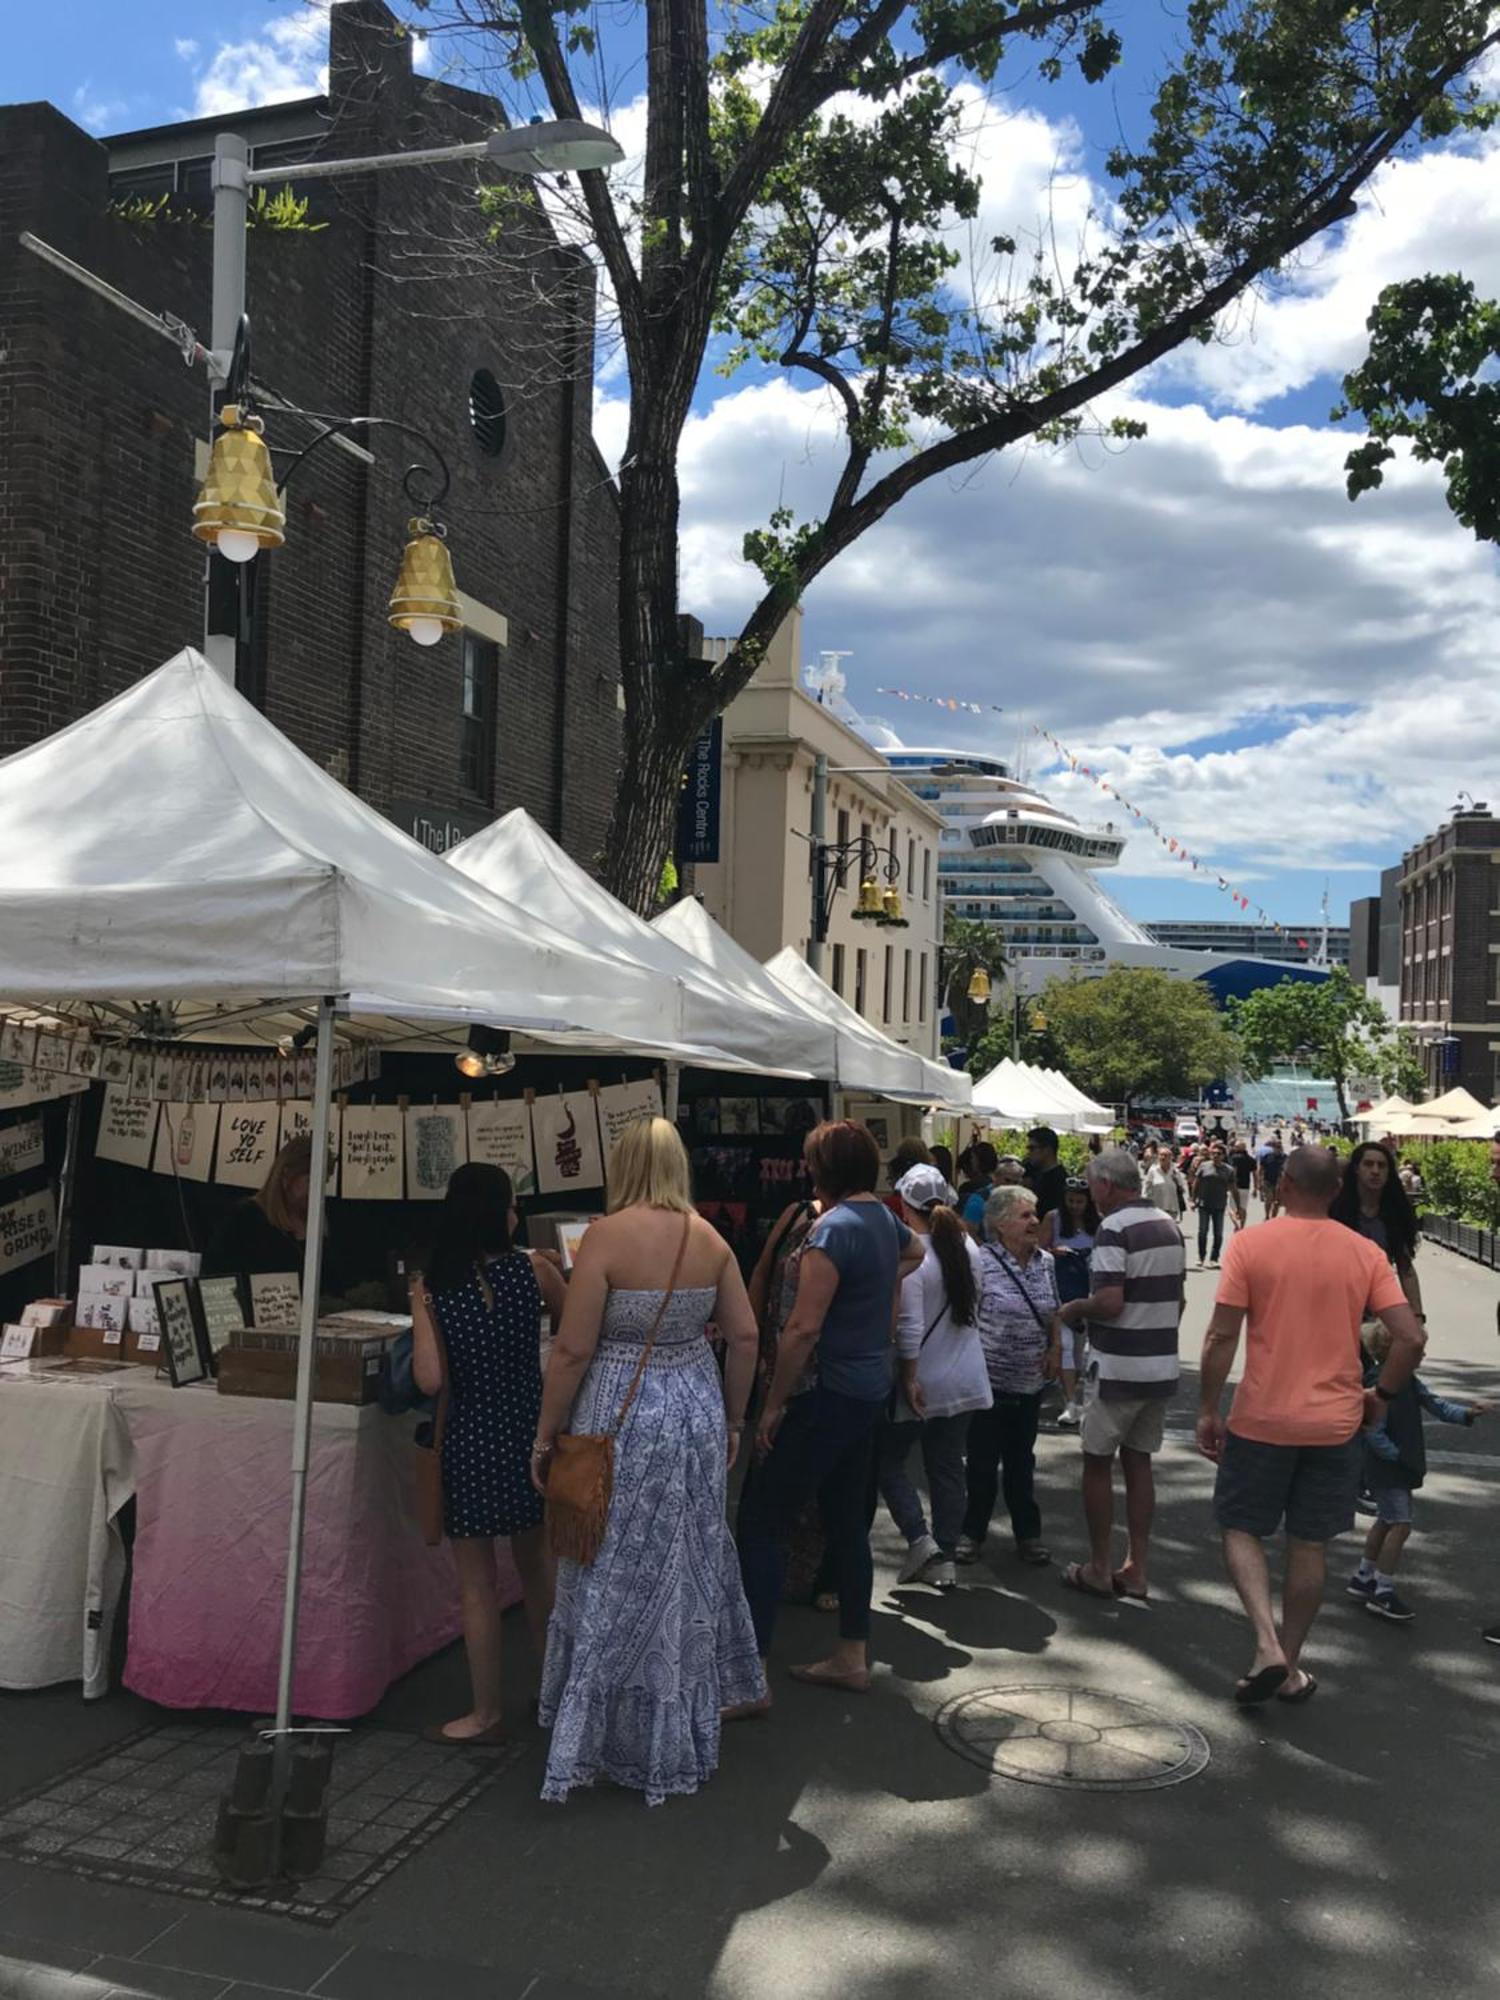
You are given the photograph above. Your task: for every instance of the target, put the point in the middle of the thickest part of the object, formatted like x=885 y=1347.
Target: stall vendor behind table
x=267 y=1232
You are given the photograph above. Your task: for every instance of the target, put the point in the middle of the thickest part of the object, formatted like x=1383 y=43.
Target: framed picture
x=569 y=1236
x=739 y=1118
x=179 y=1314
x=221 y=1303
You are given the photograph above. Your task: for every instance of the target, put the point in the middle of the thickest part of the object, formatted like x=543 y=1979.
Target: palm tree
x=974 y=961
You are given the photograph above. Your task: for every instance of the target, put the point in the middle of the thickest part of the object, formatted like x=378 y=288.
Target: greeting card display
x=372 y=1153
x=500 y=1136
x=247 y=1143
x=566 y=1134
x=221 y=1302
x=21 y=1147
x=275 y=1300
x=185 y=1140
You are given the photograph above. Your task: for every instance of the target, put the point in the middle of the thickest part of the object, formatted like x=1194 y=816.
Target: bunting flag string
x=950 y=702
x=1176 y=848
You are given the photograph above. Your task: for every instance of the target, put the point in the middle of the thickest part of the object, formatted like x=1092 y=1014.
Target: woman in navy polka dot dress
x=476 y=1315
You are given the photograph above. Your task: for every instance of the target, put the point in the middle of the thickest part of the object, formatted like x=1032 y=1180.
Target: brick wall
x=389 y=309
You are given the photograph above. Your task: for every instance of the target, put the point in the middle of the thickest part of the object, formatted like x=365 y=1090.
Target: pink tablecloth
x=213 y=1493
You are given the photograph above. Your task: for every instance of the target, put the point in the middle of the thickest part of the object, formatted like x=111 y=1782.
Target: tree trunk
x=643 y=823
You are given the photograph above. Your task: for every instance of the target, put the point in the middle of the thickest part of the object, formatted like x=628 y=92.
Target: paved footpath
x=1344 y=1851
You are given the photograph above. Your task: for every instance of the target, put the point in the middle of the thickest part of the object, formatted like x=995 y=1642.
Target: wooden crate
x=346 y=1369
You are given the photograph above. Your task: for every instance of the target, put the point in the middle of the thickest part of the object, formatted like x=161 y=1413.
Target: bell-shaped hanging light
x=979 y=987
x=425 y=603
x=890 y=909
x=238 y=508
x=869 y=908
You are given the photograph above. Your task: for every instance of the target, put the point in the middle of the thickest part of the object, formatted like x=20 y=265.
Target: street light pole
x=819 y=859
x=224 y=581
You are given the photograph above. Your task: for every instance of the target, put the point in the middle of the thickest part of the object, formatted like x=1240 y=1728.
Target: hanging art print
x=624 y=1104
x=185 y=1141
x=500 y=1136
x=372 y=1153
x=566 y=1133
x=127 y=1127
x=247 y=1144
x=436 y=1143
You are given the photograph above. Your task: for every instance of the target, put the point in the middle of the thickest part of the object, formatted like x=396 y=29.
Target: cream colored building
x=761 y=888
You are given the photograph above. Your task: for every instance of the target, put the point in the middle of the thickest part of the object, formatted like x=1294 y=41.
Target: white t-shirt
x=950 y=1365
x=1164 y=1187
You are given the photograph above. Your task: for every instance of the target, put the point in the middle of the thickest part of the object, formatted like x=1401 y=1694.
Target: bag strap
x=440 y=1418
x=1019 y=1283
x=661 y=1313
x=935 y=1318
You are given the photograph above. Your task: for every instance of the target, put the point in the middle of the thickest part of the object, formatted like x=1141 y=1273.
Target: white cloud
x=286 y=60
x=186 y=49
x=95 y=110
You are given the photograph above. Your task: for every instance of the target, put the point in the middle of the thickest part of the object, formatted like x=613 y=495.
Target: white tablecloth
x=67 y=1467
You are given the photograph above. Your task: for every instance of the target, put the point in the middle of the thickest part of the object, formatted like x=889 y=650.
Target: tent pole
x=312 y=1267
x=62 y=1255
x=671 y=1094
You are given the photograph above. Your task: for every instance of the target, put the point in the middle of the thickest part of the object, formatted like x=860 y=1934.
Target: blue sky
x=1295 y=687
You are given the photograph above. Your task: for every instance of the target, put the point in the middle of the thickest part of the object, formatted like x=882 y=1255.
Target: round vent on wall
x=487 y=412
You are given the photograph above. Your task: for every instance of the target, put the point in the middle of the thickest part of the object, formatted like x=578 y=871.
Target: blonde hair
x=1376 y=1336
x=293 y=1162
x=649 y=1169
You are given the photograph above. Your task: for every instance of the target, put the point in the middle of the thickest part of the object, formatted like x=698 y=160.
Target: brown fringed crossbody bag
x=581 y=1476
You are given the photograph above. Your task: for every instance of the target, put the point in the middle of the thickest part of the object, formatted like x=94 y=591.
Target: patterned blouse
x=1016 y=1305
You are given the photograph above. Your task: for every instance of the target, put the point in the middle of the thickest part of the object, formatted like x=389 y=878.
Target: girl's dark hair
x=1396 y=1211
x=942 y=1159
x=473 y=1221
x=1090 y=1213
x=950 y=1243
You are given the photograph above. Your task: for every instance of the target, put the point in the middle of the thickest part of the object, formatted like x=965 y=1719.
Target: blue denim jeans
x=824 y=1447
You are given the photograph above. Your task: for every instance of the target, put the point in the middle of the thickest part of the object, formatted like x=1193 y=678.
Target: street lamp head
x=238 y=509
x=979 y=987
x=425 y=603
x=554 y=146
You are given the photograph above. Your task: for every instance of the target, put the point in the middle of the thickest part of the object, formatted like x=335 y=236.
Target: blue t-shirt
x=865 y=1242
x=973 y=1208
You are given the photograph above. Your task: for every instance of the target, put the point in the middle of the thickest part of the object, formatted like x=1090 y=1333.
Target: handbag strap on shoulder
x=661 y=1313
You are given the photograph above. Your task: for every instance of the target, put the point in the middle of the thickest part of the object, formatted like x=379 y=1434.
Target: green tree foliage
x=1134 y=1033
x=1431 y=379
x=806 y=178
x=970 y=947
x=1328 y=1024
x=1458 y=1181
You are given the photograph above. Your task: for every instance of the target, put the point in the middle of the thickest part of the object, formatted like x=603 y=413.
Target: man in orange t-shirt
x=1291 y=1449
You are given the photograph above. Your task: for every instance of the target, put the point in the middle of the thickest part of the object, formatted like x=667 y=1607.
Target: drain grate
x=142 y=1814
x=1074 y=1738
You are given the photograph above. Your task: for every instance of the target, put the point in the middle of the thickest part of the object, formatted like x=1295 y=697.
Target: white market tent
x=809 y=1042
x=516 y=859
x=1018 y=1094
x=909 y=1076
x=1457 y=1114
x=173 y=850
x=1389 y=1107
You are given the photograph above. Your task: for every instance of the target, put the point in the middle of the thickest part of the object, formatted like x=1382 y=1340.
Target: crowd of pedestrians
x=930 y=1323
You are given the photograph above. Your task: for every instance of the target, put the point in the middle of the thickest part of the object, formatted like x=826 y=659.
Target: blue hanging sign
x=702 y=789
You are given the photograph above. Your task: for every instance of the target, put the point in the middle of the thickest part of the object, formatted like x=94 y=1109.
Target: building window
x=476 y=745
x=926 y=874
x=911 y=868
x=861 y=965
x=885 y=984
x=487 y=412
x=906 y=986
x=1495 y=978
x=922 y=988
x=838 y=970
x=1495 y=1073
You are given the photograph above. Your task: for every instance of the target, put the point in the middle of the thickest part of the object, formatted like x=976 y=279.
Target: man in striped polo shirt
x=1133 y=1312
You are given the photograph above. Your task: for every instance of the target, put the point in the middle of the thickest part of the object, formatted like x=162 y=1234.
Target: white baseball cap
x=923 y=1185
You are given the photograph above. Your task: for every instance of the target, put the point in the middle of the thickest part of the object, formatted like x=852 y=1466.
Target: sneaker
x=939 y=1573
x=1386 y=1604
x=1490 y=1634
x=1360 y=1586
x=1365 y=1504
x=918 y=1556
x=968 y=1550
x=1070 y=1418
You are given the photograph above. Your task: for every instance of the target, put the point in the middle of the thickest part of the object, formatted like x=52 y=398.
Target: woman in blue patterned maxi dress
x=650 y=1642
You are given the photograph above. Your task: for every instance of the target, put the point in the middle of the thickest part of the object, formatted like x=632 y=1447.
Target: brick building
x=408 y=302
x=1450 y=951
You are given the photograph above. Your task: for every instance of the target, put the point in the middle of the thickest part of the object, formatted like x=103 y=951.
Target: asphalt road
x=1344 y=1850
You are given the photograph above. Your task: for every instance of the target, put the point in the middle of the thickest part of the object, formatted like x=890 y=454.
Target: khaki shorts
x=1136 y=1423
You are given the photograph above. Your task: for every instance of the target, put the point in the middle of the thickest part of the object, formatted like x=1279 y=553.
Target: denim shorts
x=1393 y=1506
x=1310 y=1487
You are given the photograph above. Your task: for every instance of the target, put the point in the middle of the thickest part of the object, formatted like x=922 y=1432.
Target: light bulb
x=426 y=631
x=470 y=1063
x=237 y=545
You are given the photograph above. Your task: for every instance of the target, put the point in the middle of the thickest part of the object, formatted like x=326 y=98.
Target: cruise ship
x=1011 y=858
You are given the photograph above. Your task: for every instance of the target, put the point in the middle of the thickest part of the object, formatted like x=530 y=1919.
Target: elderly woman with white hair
x=1022 y=1342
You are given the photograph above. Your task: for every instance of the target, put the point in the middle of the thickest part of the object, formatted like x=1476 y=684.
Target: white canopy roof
x=1097 y=1117
x=869 y=1059
x=174 y=846
x=804 y=1040
x=1457 y=1114
x=516 y=859
x=1017 y=1093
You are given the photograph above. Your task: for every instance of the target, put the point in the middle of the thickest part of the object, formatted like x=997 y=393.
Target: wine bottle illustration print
x=569 y=1156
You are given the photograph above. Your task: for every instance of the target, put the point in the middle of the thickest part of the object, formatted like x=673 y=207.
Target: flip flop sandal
x=1299 y=1695
x=1075 y=1579
x=493 y=1738
x=1130 y=1596
x=855 y=1683
x=1253 y=1689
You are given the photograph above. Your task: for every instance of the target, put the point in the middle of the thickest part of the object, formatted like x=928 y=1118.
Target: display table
x=213 y=1499
x=66 y=1470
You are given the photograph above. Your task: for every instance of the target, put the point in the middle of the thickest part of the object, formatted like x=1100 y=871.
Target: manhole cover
x=1075 y=1738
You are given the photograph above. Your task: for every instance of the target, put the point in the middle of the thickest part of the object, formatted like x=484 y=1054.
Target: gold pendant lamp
x=425 y=603
x=238 y=509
